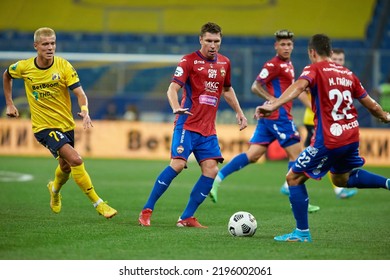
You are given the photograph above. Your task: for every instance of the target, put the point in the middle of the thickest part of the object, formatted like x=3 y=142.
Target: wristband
x=84 y=108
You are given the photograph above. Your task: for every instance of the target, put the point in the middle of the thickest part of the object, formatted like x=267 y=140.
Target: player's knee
x=254 y=156
x=75 y=161
x=340 y=180
x=178 y=165
x=65 y=167
x=295 y=179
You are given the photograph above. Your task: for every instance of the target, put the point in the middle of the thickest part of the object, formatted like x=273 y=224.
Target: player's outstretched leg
x=214 y=190
x=237 y=163
x=362 y=179
x=82 y=179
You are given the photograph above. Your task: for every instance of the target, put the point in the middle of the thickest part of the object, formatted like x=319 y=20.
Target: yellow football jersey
x=308 y=117
x=47 y=92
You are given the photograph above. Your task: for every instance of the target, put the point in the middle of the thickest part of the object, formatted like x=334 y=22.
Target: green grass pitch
x=351 y=229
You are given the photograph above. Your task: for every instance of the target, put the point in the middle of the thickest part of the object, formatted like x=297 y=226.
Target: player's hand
x=87 y=123
x=264 y=110
x=12 y=111
x=386 y=119
x=242 y=121
x=182 y=111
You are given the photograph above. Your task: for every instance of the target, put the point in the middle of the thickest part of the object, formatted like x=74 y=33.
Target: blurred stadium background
x=134 y=31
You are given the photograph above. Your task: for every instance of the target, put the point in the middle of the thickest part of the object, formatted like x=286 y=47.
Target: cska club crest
x=223 y=72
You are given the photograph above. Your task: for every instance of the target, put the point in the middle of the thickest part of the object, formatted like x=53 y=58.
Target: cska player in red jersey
x=204 y=76
x=276 y=76
x=335 y=144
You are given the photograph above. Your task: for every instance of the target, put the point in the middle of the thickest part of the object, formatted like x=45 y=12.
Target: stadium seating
x=144 y=83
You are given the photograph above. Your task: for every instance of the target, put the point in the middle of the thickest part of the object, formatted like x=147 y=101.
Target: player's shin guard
x=299 y=200
x=60 y=179
x=160 y=186
x=198 y=195
x=83 y=180
x=363 y=179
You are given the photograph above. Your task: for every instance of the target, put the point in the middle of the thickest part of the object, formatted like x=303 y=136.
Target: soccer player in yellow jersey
x=47 y=79
x=337 y=56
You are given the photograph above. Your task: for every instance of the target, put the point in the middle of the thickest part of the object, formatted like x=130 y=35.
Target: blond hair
x=44 y=32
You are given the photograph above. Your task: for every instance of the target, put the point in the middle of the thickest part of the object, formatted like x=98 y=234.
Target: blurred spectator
x=112 y=113
x=131 y=113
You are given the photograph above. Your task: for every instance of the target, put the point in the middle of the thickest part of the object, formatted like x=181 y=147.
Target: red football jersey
x=277 y=75
x=333 y=88
x=203 y=82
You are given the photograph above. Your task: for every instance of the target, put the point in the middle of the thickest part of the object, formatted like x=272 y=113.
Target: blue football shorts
x=267 y=131
x=53 y=139
x=315 y=162
x=185 y=142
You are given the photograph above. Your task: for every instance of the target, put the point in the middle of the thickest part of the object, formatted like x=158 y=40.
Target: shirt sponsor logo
x=14 y=66
x=337 y=129
x=211 y=86
x=199 y=62
x=212 y=73
x=208 y=100
x=43 y=86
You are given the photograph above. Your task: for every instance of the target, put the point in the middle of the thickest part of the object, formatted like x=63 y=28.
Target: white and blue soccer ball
x=242 y=223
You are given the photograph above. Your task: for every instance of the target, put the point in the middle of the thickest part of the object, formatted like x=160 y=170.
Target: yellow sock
x=82 y=179
x=60 y=179
x=336 y=189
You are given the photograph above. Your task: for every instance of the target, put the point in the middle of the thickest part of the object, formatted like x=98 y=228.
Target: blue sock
x=160 y=186
x=363 y=179
x=238 y=162
x=198 y=195
x=299 y=200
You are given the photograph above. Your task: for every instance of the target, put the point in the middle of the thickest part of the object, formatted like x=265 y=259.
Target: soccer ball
x=242 y=224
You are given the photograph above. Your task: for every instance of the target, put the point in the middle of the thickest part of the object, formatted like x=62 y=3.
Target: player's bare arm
x=375 y=109
x=289 y=94
x=259 y=90
x=11 y=110
x=231 y=99
x=83 y=103
x=173 y=98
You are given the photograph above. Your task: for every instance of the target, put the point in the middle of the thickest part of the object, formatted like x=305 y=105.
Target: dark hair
x=210 y=27
x=338 y=50
x=283 y=34
x=321 y=43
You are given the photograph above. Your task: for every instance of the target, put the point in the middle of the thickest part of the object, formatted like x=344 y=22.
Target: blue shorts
x=267 y=131
x=185 y=142
x=316 y=162
x=54 y=139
